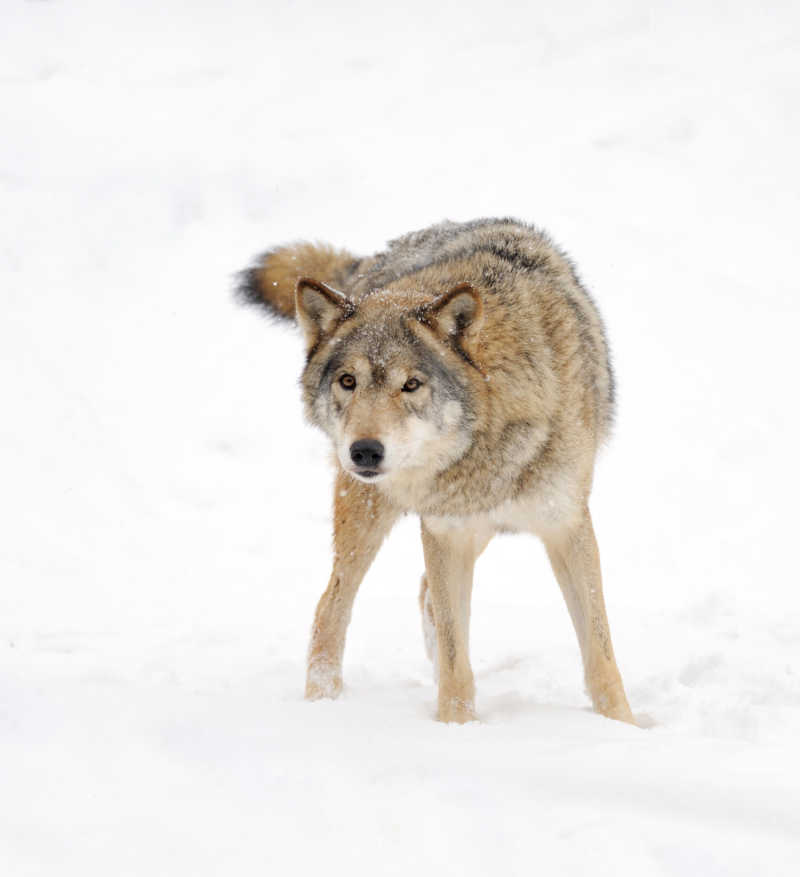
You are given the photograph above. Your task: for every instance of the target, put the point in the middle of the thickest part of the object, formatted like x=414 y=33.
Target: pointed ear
x=319 y=308
x=458 y=313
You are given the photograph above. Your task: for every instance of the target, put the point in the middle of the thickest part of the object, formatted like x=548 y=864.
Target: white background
x=164 y=510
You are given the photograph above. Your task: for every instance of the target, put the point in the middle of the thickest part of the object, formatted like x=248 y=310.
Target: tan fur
x=362 y=517
x=515 y=398
x=277 y=271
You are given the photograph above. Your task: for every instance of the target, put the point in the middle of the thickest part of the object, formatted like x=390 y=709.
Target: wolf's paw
x=612 y=703
x=454 y=709
x=323 y=680
x=621 y=712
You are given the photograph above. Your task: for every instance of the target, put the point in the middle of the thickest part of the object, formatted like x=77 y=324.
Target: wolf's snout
x=367 y=453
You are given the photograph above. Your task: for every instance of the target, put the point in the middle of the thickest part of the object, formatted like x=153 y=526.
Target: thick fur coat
x=463 y=374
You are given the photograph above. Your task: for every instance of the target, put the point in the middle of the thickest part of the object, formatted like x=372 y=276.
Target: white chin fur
x=374 y=479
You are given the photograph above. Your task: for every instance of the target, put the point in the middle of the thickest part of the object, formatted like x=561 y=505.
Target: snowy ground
x=165 y=510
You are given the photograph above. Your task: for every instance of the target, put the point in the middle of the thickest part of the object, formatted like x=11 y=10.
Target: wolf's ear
x=319 y=308
x=458 y=312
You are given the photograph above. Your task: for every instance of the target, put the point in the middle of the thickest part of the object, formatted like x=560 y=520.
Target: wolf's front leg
x=362 y=517
x=450 y=553
x=576 y=562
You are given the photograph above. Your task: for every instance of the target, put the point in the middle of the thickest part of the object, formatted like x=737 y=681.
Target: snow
x=166 y=512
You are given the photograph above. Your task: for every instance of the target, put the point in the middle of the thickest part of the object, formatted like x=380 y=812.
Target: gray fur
x=511 y=248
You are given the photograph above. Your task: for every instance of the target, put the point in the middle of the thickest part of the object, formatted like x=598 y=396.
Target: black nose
x=367 y=453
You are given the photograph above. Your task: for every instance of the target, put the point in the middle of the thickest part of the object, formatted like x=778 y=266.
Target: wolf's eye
x=347 y=382
x=411 y=384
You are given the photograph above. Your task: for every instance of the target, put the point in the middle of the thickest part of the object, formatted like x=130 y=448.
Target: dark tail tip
x=248 y=290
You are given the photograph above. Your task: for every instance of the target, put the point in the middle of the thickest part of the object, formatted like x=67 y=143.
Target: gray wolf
x=463 y=375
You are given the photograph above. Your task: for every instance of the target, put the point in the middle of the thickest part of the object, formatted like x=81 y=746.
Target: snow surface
x=165 y=509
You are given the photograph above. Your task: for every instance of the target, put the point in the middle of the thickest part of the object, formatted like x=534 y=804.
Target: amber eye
x=347 y=382
x=411 y=384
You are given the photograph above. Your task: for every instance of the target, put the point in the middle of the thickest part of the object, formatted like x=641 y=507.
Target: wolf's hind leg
x=428 y=625
x=450 y=554
x=576 y=563
x=362 y=518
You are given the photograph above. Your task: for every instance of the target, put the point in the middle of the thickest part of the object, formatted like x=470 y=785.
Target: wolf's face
x=389 y=406
x=384 y=382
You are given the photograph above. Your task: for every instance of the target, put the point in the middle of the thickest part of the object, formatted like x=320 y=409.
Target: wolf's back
x=504 y=256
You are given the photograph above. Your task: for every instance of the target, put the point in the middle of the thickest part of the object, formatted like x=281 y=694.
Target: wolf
x=463 y=375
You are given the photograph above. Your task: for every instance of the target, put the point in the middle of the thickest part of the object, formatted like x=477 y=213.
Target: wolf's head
x=389 y=378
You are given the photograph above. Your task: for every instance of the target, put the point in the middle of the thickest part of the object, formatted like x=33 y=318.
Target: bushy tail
x=270 y=281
